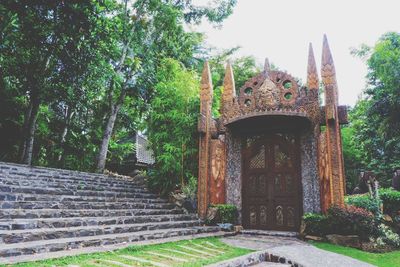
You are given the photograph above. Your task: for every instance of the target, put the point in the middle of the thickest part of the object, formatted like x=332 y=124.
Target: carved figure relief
x=217 y=178
x=268 y=95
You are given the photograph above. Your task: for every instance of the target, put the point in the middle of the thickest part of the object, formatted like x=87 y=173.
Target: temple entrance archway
x=271 y=191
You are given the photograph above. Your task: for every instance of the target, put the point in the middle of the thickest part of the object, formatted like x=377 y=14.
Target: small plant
x=225 y=213
x=391 y=201
x=316 y=224
x=351 y=220
x=190 y=189
x=363 y=201
x=387 y=236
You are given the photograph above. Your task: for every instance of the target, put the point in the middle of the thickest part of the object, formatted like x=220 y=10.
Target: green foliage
x=391 y=201
x=352 y=220
x=172 y=126
x=363 y=201
x=349 y=220
x=316 y=224
x=75 y=63
x=226 y=213
x=387 y=236
x=190 y=189
x=243 y=68
x=375 y=118
x=388 y=259
x=352 y=158
x=145 y=251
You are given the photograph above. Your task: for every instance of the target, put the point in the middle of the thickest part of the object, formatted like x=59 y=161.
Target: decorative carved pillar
x=334 y=165
x=315 y=114
x=217 y=176
x=204 y=128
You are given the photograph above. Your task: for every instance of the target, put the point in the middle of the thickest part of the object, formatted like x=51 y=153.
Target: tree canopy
x=375 y=119
x=77 y=77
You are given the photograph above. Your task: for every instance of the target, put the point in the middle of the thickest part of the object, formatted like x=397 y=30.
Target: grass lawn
x=390 y=259
x=196 y=252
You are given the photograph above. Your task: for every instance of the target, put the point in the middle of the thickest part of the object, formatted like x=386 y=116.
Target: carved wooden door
x=271 y=183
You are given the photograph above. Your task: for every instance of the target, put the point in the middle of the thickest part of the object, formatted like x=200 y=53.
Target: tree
x=76 y=76
x=172 y=126
x=41 y=40
x=151 y=30
x=376 y=118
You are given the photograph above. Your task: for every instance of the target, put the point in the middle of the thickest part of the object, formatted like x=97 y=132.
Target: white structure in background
x=144 y=155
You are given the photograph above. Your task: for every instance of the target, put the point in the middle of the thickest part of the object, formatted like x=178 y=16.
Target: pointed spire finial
x=312 y=74
x=267 y=67
x=328 y=72
x=206 y=75
x=229 y=81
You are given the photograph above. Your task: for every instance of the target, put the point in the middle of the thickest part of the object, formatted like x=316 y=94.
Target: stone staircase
x=45 y=211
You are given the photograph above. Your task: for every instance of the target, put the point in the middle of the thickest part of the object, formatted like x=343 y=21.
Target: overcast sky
x=282 y=29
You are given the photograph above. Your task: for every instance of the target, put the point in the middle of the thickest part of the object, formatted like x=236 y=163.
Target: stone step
x=63 y=198
x=7 y=214
x=19 y=171
x=44 y=246
x=82 y=205
x=61 y=191
x=271 y=264
x=30 y=235
x=21 y=224
x=72 y=186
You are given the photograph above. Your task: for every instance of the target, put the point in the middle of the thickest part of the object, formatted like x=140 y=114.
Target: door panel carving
x=271 y=182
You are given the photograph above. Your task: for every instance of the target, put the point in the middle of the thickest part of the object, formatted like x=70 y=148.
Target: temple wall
x=233 y=176
x=309 y=173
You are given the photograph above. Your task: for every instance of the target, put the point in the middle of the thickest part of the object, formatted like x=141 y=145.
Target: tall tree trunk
x=22 y=146
x=30 y=134
x=63 y=135
x=102 y=156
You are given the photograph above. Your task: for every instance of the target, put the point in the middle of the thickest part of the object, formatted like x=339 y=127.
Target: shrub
x=227 y=213
x=391 y=200
x=351 y=220
x=387 y=236
x=316 y=224
x=363 y=201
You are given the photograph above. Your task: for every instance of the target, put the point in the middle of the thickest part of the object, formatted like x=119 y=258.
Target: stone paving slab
x=294 y=250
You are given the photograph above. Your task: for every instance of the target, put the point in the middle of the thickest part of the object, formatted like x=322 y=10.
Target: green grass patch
x=193 y=253
x=389 y=259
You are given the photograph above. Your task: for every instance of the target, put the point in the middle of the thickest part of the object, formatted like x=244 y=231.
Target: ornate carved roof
x=268 y=93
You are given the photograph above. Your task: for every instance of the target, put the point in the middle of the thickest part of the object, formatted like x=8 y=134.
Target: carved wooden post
x=313 y=86
x=204 y=128
x=218 y=146
x=335 y=168
x=229 y=93
x=312 y=74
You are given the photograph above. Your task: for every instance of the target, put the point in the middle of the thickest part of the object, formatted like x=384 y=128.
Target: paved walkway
x=295 y=250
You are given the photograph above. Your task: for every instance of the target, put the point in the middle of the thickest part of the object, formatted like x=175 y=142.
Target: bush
x=387 y=236
x=226 y=213
x=363 y=201
x=391 y=200
x=316 y=224
x=351 y=220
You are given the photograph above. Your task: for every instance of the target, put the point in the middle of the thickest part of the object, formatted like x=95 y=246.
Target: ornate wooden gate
x=271 y=182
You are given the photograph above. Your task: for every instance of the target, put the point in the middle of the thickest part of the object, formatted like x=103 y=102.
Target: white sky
x=282 y=29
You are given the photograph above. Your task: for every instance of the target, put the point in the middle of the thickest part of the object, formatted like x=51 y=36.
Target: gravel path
x=295 y=250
